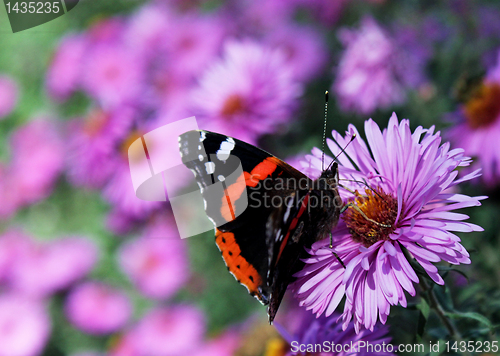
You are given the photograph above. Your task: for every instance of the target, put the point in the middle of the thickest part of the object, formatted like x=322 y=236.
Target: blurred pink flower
x=258 y=17
x=112 y=74
x=94 y=145
x=304 y=49
x=119 y=191
x=477 y=127
x=224 y=345
x=326 y=11
x=13 y=244
x=170 y=331
x=8 y=95
x=44 y=268
x=24 y=326
x=37 y=159
x=65 y=71
x=157 y=262
x=366 y=77
x=96 y=308
x=247 y=93
x=188 y=52
x=146 y=30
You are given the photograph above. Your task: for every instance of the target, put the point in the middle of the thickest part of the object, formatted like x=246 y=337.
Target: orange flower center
x=484 y=106
x=233 y=105
x=368 y=215
x=135 y=154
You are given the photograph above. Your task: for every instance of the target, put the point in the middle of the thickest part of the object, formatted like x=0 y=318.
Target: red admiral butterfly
x=261 y=234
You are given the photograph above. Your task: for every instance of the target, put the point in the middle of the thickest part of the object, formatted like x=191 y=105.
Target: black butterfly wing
x=244 y=189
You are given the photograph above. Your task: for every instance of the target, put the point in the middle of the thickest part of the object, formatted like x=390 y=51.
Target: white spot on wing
x=225 y=149
x=203 y=136
x=210 y=167
x=200 y=157
x=221 y=178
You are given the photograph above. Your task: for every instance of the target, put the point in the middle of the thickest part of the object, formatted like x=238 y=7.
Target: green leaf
x=471 y=315
x=424 y=308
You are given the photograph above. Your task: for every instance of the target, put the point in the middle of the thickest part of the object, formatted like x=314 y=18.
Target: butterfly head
x=331 y=176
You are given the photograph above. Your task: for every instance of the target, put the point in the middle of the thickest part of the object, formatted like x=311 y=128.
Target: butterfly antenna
x=324 y=133
x=342 y=150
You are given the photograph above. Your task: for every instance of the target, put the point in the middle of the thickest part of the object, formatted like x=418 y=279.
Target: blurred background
x=86 y=268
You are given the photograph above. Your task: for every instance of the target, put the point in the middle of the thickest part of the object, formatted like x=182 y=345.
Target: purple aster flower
x=366 y=75
x=477 y=126
x=65 y=71
x=92 y=145
x=13 y=244
x=170 y=331
x=157 y=262
x=97 y=308
x=258 y=17
x=119 y=191
x=146 y=30
x=188 y=52
x=37 y=160
x=8 y=95
x=407 y=175
x=304 y=48
x=24 y=326
x=327 y=331
x=247 y=93
x=44 y=268
x=112 y=74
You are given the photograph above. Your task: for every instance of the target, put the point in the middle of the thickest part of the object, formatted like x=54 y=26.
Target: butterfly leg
x=334 y=253
x=355 y=207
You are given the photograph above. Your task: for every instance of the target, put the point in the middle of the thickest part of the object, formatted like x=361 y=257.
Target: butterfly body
x=264 y=211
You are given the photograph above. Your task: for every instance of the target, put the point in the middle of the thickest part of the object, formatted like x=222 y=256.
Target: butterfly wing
x=288 y=231
x=244 y=225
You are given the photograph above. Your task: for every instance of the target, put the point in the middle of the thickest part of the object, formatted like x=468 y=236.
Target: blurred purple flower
x=170 y=331
x=188 y=52
x=119 y=191
x=37 y=159
x=44 y=268
x=410 y=200
x=258 y=17
x=146 y=30
x=65 y=71
x=24 y=326
x=157 y=262
x=326 y=331
x=368 y=75
x=247 y=93
x=113 y=75
x=93 y=145
x=477 y=126
x=224 y=345
x=97 y=308
x=326 y=11
x=9 y=93
x=304 y=49
x=13 y=244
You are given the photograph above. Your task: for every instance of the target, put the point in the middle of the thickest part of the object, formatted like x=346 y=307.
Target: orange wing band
x=244 y=272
